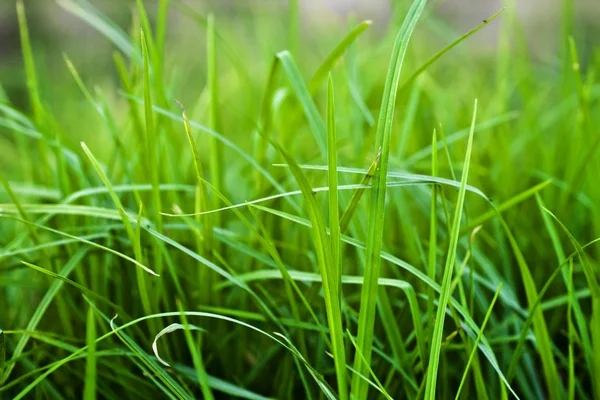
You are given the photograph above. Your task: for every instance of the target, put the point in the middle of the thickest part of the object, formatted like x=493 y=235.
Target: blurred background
x=54 y=31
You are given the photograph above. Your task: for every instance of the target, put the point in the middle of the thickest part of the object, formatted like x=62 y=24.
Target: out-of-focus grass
x=209 y=229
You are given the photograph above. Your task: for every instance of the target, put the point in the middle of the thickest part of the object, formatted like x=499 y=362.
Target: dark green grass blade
x=594 y=287
x=40 y=311
x=540 y=328
x=2 y=352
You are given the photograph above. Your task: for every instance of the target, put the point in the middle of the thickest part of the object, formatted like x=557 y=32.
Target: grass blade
x=377 y=202
x=317 y=126
x=446 y=49
x=334 y=56
x=472 y=355
x=436 y=341
x=328 y=272
x=334 y=221
x=89 y=388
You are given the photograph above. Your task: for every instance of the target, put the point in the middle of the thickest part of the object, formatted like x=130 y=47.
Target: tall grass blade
x=89 y=388
x=377 y=201
x=438 y=329
x=328 y=271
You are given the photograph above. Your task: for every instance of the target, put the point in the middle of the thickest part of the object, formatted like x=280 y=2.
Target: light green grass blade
x=216 y=151
x=395 y=174
x=571 y=333
x=334 y=220
x=472 y=355
x=113 y=195
x=84 y=10
x=151 y=142
x=438 y=329
x=513 y=201
x=377 y=201
x=32 y=80
x=201 y=192
x=89 y=389
x=349 y=210
x=360 y=354
x=432 y=256
x=334 y=56
x=446 y=49
x=317 y=126
x=226 y=142
x=195 y=350
x=356 y=196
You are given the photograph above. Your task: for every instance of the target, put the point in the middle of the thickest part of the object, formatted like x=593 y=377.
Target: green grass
x=253 y=204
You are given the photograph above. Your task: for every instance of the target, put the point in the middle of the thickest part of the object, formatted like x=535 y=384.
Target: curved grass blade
x=446 y=49
x=119 y=330
x=396 y=174
x=84 y=10
x=317 y=126
x=89 y=242
x=171 y=328
x=335 y=55
x=513 y=201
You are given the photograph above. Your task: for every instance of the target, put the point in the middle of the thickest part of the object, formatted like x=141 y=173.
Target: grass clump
x=282 y=235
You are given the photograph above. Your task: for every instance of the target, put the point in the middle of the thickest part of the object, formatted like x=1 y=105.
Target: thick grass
x=244 y=207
